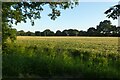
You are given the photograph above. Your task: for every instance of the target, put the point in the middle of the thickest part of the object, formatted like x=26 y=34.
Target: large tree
x=17 y=12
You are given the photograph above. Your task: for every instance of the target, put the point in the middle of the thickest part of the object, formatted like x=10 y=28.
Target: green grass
x=83 y=57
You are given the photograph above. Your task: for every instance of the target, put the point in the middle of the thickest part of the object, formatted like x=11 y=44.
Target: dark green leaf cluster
x=113 y=12
x=20 y=11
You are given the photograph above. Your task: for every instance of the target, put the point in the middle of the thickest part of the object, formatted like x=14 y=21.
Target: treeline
x=105 y=28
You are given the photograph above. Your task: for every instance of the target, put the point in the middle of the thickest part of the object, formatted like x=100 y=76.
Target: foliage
x=37 y=33
x=113 y=12
x=105 y=28
x=92 y=31
x=21 y=33
x=8 y=33
x=58 y=33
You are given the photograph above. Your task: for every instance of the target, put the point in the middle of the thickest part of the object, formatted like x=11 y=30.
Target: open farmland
x=99 y=44
x=83 y=57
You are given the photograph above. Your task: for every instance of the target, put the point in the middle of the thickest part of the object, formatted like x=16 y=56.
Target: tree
x=58 y=33
x=72 y=32
x=82 y=33
x=118 y=31
x=37 y=33
x=8 y=33
x=21 y=33
x=29 y=33
x=51 y=33
x=65 y=32
x=76 y=32
x=113 y=30
x=16 y=12
x=48 y=32
x=104 y=27
x=91 y=31
x=113 y=12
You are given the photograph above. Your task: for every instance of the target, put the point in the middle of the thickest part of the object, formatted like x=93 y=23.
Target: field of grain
x=83 y=57
x=92 y=44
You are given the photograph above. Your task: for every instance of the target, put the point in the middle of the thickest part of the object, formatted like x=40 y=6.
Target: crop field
x=81 y=57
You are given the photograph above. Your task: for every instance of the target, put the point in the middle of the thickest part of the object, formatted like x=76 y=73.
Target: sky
x=81 y=17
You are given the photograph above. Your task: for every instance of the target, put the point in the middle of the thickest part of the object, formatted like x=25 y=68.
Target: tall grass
x=66 y=57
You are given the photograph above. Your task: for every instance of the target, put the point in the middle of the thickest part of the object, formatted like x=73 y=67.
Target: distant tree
x=113 y=30
x=72 y=32
x=104 y=27
x=21 y=33
x=91 y=31
x=102 y=30
x=65 y=32
x=51 y=33
x=42 y=34
x=58 y=33
x=118 y=31
x=29 y=33
x=37 y=33
x=48 y=32
x=76 y=32
x=82 y=33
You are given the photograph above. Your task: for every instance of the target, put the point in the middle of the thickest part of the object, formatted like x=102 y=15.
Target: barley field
x=81 y=57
